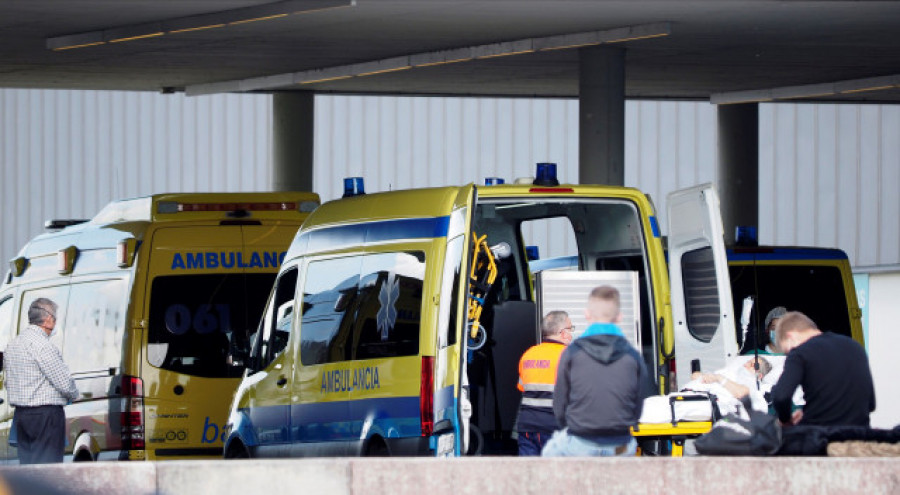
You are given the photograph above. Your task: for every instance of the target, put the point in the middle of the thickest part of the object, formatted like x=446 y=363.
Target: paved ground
x=481 y=476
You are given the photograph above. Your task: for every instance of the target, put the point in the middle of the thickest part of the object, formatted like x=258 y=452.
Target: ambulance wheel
x=236 y=450
x=83 y=456
x=376 y=448
x=84 y=448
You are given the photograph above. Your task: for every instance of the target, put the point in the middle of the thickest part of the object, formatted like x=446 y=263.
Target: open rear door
x=453 y=409
x=701 y=291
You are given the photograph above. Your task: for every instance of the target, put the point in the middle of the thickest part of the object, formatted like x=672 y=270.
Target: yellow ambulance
x=397 y=320
x=157 y=299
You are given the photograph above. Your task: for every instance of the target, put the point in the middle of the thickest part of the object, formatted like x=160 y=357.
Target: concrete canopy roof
x=727 y=51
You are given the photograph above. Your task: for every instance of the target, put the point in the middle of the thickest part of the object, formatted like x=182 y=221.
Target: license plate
x=446 y=445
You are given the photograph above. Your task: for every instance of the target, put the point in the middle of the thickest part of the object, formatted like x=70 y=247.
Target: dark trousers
x=41 y=434
x=532 y=442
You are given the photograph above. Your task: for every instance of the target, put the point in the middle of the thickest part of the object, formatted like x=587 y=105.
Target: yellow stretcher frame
x=676 y=431
x=482 y=277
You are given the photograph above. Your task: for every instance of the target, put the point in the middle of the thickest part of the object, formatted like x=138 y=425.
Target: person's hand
x=796 y=416
x=710 y=378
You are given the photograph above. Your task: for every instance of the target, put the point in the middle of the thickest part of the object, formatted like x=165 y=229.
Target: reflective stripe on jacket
x=537 y=377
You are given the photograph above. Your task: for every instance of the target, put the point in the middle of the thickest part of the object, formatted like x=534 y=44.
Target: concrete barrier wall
x=471 y=476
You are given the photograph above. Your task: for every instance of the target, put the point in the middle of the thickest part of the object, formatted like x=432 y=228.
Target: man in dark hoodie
x=600 y=388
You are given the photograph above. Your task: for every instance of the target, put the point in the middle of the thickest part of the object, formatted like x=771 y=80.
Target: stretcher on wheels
x=669 y=420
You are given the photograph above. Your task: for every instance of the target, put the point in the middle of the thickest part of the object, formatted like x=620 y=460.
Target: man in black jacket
x=833 y=371
x=600 y=388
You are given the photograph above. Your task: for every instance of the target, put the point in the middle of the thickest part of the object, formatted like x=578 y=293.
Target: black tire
x=236 y=450
x=376 y=448
x=83 y=456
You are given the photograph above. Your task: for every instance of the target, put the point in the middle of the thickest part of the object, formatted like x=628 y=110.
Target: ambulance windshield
x=199 y=324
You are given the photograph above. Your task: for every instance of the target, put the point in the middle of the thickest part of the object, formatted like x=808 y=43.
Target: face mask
x=772 y=337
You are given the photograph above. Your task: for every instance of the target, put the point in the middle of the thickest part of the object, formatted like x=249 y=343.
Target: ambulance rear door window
x=198 y=323
x=700 y=293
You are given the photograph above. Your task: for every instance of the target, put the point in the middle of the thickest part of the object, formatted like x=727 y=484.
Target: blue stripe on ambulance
x=390 y=417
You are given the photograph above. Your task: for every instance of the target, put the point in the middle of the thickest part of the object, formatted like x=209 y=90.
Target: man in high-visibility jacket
x=537 y=376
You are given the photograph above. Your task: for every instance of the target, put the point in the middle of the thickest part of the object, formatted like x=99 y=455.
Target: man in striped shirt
x=39 y=385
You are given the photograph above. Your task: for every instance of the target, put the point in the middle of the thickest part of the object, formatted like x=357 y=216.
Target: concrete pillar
x=601 y=116
x=293 y=119
x=737 y=169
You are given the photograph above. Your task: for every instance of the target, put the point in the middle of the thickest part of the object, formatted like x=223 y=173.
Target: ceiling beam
x=309 y=78
x=819 y=91
x=212 y=20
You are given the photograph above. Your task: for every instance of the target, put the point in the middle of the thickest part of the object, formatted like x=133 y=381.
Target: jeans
x=565 y=444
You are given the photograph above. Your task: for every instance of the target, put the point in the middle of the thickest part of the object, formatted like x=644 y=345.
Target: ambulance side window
x=95 y=325
x=58 y=294
x=362 y=307
x=390 y=305
x=329 y=308
x=278 y=319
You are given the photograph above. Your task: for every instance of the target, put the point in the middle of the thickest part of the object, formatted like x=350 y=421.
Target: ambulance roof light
x=353 y=186
x=244 y=208
x=745 y=235
x=65 y=260
x=493 y=181
x=17 y=266
x=125 y=251
x=308 y=206
x=546 y=175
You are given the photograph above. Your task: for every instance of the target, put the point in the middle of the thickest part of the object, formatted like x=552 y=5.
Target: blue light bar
x=353 y=186
x=745 y=235
x=493 y=181
x=546 y=175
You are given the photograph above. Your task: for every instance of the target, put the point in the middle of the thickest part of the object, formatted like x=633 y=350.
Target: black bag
x=733 y=435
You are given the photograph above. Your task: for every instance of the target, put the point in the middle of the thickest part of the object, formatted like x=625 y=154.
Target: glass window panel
x=198 y=323
x=95 y=325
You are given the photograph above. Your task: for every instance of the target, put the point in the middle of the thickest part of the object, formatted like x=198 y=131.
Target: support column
x=737 y=169
x=293 y=119
x=601 y=116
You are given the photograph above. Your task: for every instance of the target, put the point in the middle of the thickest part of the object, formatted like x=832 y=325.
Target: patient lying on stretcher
x=730 y=385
